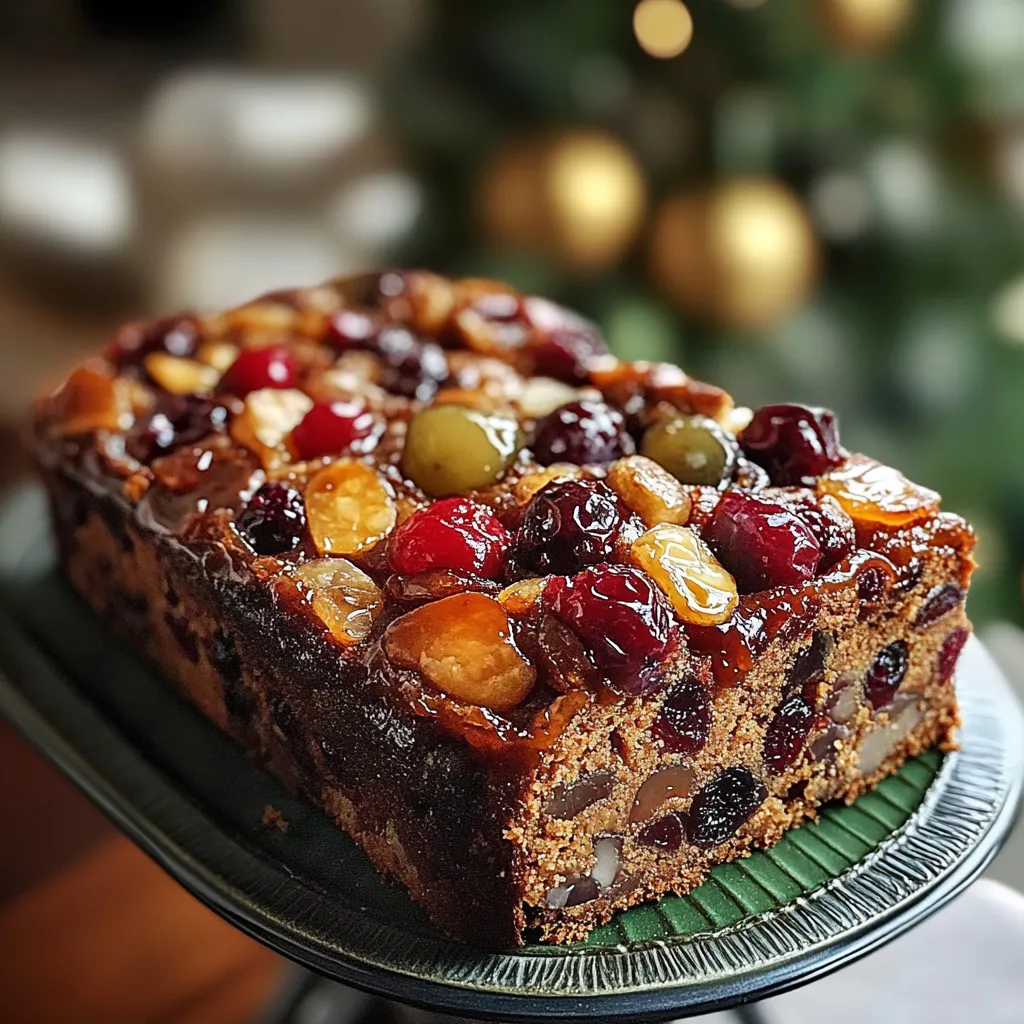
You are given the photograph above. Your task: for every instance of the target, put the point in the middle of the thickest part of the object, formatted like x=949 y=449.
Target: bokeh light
x=663 y=28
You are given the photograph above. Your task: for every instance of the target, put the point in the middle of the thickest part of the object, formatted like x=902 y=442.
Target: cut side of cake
x=548 y=633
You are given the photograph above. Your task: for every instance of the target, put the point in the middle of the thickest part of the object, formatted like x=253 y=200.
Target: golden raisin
x=876 y=495
x=342 y=595
x=651 y=491
x=349 y=507
x=527 y=486
x=522 y=598
x=180 y=376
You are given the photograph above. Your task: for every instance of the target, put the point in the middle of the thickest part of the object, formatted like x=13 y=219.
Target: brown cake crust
x=473 y=808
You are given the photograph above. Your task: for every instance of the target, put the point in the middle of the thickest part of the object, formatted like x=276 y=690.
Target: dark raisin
x=728 y=801
x=666 y=833
x=886 y=673
x=684 y=724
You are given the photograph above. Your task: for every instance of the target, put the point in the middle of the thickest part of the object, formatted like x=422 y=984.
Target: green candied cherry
x=450 y=449
x=694 y=449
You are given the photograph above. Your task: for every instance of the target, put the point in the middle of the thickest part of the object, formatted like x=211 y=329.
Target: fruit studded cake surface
x=548 y=633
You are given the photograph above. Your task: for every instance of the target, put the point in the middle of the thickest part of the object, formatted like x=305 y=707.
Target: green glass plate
x=828 y=892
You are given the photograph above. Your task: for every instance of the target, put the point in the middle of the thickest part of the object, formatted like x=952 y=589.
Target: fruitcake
x=546 y=632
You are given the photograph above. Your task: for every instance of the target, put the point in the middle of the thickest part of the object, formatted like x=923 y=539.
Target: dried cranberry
x=274 y=520
x=565 y=354
x=257 y=368
x=350 y=329
x=332 y=427
x=174 y=421
x=872 y=585
x=808 y=670
x=832 y=528
x=412 y=367
x=453 y=533
x=567 y=526
x=787 y=733
x=886 y=673
x=665 y=833
x=949 y=653
x=586 y=432
x=723 y=805
x=940 y=602
x=762 y=544
x=620 y=615
x=795 y=443
x=684 y=724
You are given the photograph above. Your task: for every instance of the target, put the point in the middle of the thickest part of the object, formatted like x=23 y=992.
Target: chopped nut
x=528 y=485
x=350 y=508
x=218 y=354
x=180 y=376
x=270 y=415
x=649 y=490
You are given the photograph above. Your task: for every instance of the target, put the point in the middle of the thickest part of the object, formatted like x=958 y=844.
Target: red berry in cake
x=274 y=521
x=684 y=724
x=763 y=545
x=333 y=427
x=728 y=801
x=412 y=367
x=795 y=443
x=787 y=733
x=568 y=525
x=258 y=368
x=949 y=653
x=886 y=673
x=454 y=533
x=940 y=602
x=349 y=328
x=624 y=620
x=585 y=432
x=666 y=833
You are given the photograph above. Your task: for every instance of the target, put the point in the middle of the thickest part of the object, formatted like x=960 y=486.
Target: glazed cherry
x=585 y=432
x=274 y=520
x=762 y=544
x=258 y=368
x=568 y=526
x=454 y=533
x=723 y=805
x=565 y=354
x=795 y=443
x=333 y=427
x=666 y=833
x=832 y=528
x=940 y=602
x=620 y=615
x=949 y=653
x=175 y=421
x=684 y=724
x=787 y=733
x=412 y=367
x=886 y=673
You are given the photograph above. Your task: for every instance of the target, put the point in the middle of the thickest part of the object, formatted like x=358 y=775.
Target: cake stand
x=828 y=893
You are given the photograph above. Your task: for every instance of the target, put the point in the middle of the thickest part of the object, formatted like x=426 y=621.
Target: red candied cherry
x=762 y=544
x=620 y=615
x=453 y=533
x=332 y=427
x=795 y=443
x=684 y=724
x=258 y=368
x=886 y=673
x=586 y=432
x=274 y=521
x=949 y=653
x=565 y=353
x=567 y=526
x=723 y=805
x=832 y=528
x=349 y=328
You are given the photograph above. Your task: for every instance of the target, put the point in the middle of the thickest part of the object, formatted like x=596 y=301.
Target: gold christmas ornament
x=861 y=26
x=663 y=28
x=580 y=197
x=743 y=254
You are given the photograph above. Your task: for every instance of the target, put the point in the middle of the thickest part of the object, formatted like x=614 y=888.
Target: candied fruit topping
x=179 y=376
x=875 y=495
x=763 y=545
x=274 y=521
x=91 y=399
x=175 y=336
x=258 y=368
x=453 y=533
x=568 y=525
x=949 y=653
x=573 y=798
x=269 y=416
x=451 y=450
x=832 y=528
x=566 y=353
x=412 y=367
x=350 y=508
x=584 y=432
x=527 y=486
x=941 y=600
x=330 y=428
x=650 y=491
x=886 y=673
x=541 y=396
x=624 y=620
x=564 y=659
x=173 y=422
x=682 y=565
x=694 y=449
x=727 y=802
x=672 y=782
x=796 y=444
x=684 y=724
x=435 y=584
x=522 y=598
x=342 y=595
x=463 y=646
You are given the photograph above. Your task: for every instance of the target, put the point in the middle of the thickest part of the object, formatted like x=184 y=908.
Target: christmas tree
x=817 y=200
